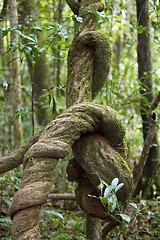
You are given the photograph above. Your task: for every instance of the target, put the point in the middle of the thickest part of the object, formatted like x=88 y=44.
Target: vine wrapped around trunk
x=55 y=142
x=95 y=133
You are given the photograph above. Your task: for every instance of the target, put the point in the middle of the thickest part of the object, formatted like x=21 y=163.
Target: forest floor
x=144 y=224
x=63 y=220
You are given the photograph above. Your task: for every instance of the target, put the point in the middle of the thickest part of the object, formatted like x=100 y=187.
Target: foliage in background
x=121 y=92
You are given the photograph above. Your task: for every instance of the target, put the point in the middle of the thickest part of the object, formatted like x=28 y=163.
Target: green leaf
x=134 y=205
x=66 y=18
x=61 y=90
x=12 y=44
x=28 y=51
x=64 y=33
x=5 y=219
x=52 y=213
x=7 y=202
x=49 y=99
x=109 y=208
x=106 y=184
x=5 y=32
x=1 y=179
x=99 y=15
x=112 y=201
x=25 y=36
x=108 y=191
x=40 y=51
x=12 y=60
x=119 y=186
x=54 y=105
x=125 y=217
x=143 y=202
x=141 y=29
x=2 y=99
x=96 y=14
x=102 y=15
x=101 y=185
x=119 y=96
x=104 y=200
x=34 y=36
x=114 y=182
x=79 y=19
x=37 y=28
x=119 y=19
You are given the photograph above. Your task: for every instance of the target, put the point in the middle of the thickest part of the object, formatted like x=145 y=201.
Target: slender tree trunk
x=4 y=132
x=117 y=47
x=145 y=77
x=7 y=141
x=38 y=75
x=16 y=77
x=57 y=63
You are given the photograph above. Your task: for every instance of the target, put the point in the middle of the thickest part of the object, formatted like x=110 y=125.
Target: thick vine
x=82 y=124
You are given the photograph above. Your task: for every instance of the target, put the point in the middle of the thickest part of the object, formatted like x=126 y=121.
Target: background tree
x=122 y=92
x=5 y=98
x=57 y=65
x=15 y=69
x=38 y=65
x=144 y=53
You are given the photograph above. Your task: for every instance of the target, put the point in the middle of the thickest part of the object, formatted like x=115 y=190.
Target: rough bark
x=88 y=67
x=84 y=123
x=61 y=196
x=27 y=196
x=54 y=143
x=145 y=77
x=16 y=77
x=93 y=226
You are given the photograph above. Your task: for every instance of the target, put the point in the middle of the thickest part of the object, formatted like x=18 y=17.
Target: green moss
x=90 y=5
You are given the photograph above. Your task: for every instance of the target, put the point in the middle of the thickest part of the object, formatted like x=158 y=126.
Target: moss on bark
x=95 y=132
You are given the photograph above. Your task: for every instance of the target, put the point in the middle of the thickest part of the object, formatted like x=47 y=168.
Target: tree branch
x=62 y=196
x=137 y=171
x=15 y=159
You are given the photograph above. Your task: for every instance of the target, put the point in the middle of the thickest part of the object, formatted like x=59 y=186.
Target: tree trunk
x=6 y=143
x=145 y=77
x=16 y=77
x=57 y=63
x=93 y=226
x=85 y=79
x=38 y=75
x=117 y=48
x=85 y=124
